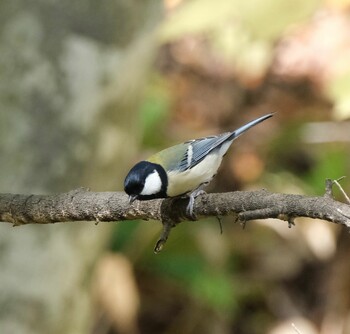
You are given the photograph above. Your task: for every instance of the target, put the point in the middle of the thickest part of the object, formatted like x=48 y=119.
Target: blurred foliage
x=241 y=31
x=265 y=20
x=339 y=91
x=121 y=234
x=310 y=164
x=154 y=112
x=331 y=163
x=186 y=267
x=219 y=65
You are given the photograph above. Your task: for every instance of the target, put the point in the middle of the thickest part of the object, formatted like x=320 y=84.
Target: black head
x=146 y=180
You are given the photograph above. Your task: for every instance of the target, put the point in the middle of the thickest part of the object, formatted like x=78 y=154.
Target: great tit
x=182 y=169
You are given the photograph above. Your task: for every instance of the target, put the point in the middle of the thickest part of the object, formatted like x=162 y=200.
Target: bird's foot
x=192 y=196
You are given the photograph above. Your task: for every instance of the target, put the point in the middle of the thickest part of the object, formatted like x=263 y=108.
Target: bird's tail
x=249 y=125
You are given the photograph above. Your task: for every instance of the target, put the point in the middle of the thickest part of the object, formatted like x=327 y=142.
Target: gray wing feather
x=200 y=149
x=194 y=151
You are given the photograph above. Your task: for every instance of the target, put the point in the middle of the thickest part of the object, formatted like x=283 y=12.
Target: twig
x=296 y=329
x=220 y=223
x=336 y=182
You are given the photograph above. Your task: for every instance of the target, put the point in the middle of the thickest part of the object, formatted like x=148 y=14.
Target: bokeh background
x=89 y=88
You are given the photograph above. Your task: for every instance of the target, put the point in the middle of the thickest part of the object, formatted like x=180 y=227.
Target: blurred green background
x=87 y=89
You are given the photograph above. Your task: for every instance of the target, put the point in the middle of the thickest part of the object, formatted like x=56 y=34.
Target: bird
x=182 y=170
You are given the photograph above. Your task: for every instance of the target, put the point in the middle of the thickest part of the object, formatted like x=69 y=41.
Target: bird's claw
x=192 y=196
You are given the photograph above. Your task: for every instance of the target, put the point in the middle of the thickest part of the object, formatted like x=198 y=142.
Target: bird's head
x=146 y=180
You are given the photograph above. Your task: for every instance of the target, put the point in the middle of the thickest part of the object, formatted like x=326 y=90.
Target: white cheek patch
x=153 y=184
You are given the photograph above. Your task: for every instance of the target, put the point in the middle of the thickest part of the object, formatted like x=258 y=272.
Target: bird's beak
x=132 y=198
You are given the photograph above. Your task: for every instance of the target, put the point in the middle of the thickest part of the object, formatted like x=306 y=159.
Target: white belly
x=181 y=183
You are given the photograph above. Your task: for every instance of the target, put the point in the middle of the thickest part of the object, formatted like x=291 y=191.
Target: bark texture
x=83 y=205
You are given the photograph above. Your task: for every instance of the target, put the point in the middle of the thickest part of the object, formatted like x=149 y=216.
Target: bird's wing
x=198 y=149
x=171 y=157
x=186 y=155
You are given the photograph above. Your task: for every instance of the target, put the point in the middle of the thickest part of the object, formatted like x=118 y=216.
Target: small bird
x=183 y=169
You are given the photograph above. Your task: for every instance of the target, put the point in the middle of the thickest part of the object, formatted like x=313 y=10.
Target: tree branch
x=81 y=204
